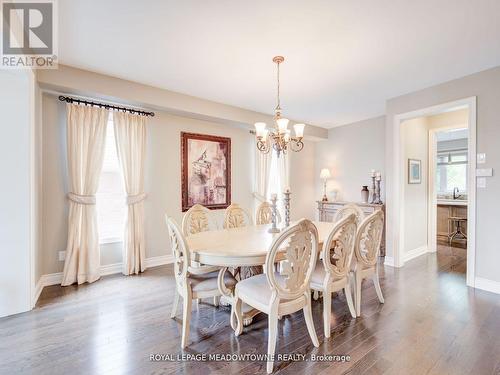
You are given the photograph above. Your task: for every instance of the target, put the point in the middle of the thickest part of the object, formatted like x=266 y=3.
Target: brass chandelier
x=279 y=137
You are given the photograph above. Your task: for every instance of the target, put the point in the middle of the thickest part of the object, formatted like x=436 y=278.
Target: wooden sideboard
x=327 y=210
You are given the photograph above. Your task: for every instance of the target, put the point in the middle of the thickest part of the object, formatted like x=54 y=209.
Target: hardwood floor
x=431 y=323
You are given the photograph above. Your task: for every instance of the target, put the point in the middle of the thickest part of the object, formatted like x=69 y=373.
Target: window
x=275 y=185
x=451 y=171
x=111 y=208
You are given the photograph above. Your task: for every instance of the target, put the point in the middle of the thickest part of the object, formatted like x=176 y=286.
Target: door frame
x=432 y=194
x=399 y=165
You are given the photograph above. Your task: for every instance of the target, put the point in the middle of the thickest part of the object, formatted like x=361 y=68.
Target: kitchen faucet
x=455 y=193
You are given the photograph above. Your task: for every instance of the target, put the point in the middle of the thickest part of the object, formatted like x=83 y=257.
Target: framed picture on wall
x=414 y=171
x=205 y=171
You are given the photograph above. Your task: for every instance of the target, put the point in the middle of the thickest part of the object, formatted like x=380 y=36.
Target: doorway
x=414 y=229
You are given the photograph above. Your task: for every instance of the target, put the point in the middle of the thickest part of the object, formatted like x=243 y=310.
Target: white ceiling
x=343 y=58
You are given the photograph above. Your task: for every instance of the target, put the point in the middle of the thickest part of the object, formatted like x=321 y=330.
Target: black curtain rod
x=67 y=99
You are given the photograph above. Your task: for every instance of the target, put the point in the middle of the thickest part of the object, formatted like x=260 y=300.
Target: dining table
x=234 y=248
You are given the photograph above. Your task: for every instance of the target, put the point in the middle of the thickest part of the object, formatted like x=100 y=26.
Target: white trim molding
x=107 y=269
x=395 y=231
x=412 y=254
x=488 y=285
x=389 y=261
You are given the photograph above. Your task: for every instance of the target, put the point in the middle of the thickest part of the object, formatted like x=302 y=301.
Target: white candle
x=373 y=172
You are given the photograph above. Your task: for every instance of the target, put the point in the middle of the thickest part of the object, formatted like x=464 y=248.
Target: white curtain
x=86 y=134
x=262 y=170
x=284 y=171
x=130 y=135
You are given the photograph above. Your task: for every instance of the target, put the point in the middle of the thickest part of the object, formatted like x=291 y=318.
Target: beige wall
x=486 y=87
x=17 y=205
x=162 y=179
x=415 y=134
x=350 y=153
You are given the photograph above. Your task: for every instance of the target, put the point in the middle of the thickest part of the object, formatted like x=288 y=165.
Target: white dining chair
x=282 y=293
x=331 y=273
x=264 y=214
x=189 y=283
x=346 y=210
x=199 y=219
x=236 y=216
x=366 y=252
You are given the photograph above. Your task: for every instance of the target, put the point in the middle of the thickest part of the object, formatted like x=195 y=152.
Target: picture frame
x=414 y=171
x=205 y=171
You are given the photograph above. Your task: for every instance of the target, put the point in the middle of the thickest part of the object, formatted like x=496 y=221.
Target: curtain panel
x=86 y=133
x=262 y=170
x=130 y=135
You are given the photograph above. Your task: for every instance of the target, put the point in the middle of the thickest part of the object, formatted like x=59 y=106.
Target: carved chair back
x=297 y=249
x=180 y=250
x=264 y=214
x=368 y=239
x=197 y=219
x=348 y=209
x=236 y=217
x=338 y=248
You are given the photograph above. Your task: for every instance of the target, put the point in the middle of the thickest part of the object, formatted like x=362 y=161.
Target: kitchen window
x=451 y=172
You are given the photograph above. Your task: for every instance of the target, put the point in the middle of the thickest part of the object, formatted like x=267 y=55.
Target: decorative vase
x=365 y=194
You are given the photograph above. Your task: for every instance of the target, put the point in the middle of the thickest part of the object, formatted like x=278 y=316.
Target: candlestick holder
x=377 y=198
x=274 y=228
x=287 y=207
x=374 y=191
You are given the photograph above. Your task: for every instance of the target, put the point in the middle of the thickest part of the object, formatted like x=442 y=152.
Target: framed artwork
x=206 y=171
x=414 y=171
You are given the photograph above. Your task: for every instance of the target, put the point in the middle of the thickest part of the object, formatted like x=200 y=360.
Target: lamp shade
x=325 y=173
x=299 y=130
x=282 y=125
x=259 y=128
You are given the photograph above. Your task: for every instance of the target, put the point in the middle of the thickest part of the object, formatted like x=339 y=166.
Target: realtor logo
x=29 y=34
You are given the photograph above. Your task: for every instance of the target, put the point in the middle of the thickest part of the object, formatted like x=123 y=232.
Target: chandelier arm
x=296 y=144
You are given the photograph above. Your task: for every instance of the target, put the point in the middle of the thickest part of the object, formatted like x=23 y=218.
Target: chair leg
x=309 y=319
x=186 y=318
x=315 y=295
x=236 y=313
x=271 y=339
x=357 y=281
x=216 y=301
x=376 y=282
x=348 y=297
x=175 y=304
x=327 y=311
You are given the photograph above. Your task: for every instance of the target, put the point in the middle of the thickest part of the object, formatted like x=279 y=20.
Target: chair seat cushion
x=208 y=281
x=318 y=278
x=319 y=273
x=257 y=292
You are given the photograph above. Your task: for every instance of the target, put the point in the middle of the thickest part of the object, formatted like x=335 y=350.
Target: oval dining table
x=239 y=247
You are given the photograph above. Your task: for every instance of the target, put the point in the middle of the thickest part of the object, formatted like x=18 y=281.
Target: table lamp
x=324 y=175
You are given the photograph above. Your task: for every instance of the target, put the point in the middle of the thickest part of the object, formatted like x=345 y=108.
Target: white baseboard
x=488 y=285
x=108 y=269
x=159 y=261
x=409 y=255
x=389 y=261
